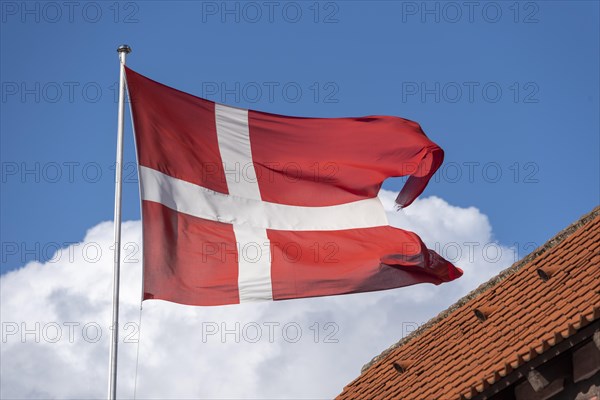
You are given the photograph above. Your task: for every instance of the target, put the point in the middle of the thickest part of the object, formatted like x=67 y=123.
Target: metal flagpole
x=123 y=50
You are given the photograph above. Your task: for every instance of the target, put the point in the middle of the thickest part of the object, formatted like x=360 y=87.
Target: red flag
x=240 y=205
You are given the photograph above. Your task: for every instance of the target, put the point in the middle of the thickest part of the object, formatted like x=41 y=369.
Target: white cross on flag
x=240 y=205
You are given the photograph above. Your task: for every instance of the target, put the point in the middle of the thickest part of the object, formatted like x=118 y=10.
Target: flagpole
x=123 y=50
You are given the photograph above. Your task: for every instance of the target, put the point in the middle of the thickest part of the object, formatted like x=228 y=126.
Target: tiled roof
x=457 y=356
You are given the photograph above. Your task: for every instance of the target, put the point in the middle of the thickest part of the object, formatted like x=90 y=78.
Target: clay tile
x=596 y=312
x=482 y=385
x=504 y=371
x=529 y=355
x=494 y=378
x=581 y=322
x=542 y=347
x=484 y=312
x=403 y=365
x=508 y=368
x=470 y=394
x=569 y=331
x=514 y=361
x=556 y=339
x=545 y=273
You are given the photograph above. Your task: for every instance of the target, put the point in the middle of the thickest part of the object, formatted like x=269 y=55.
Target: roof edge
x=558 y=238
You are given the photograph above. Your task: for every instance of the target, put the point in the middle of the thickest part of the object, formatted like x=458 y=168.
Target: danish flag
x=241 y=205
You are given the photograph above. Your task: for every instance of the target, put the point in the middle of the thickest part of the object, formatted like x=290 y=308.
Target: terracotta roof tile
x=526 y=316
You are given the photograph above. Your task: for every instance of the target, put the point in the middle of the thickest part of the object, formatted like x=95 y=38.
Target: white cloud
x=71 y=296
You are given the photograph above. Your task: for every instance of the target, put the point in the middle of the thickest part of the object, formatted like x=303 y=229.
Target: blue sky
x=509 y=90
x=505 y=88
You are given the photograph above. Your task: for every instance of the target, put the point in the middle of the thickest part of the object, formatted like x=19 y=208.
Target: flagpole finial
x=124 y=49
